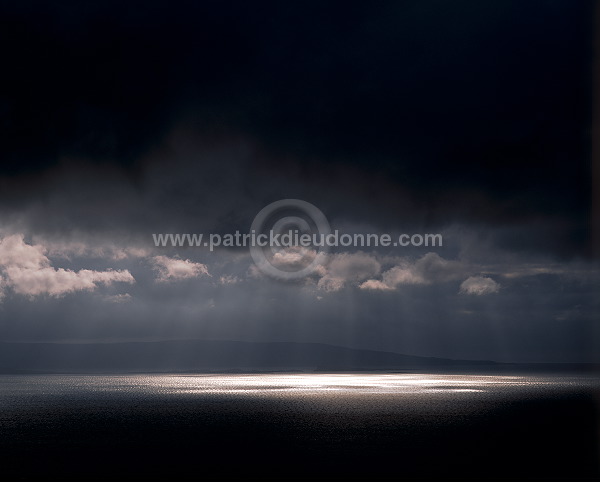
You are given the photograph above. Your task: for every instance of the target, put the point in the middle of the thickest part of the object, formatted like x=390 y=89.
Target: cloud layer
x=171 y=269
x=479 y=285
x=27 y=271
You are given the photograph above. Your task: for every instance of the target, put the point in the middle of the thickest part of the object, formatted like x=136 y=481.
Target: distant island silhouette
x=232 y=356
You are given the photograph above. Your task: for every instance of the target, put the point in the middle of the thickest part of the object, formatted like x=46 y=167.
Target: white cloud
x=533 y=270
x=171 y=269
x=15 y=252
x=479 y=285
x=120 y=298
x=364 y=270
x=432 y=268
x=375 y=285
x=429 y=269
x=89 y=248
x=254 y=273
x=289 y=258
x=353 y=266
x=403 y=275
x=328 y=283
x=27 y=270
x=344 y=268
x=228 y=280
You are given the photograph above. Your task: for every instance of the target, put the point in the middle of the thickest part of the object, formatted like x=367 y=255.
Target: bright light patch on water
x=356 y=383
x=294 y=383
x=282 y=384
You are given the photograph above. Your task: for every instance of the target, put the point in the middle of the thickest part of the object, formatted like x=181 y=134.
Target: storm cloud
x=471 y=120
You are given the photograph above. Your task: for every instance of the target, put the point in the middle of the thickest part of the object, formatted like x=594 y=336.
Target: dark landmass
x=234 y=356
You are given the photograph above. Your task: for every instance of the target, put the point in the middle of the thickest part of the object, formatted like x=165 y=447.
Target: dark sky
x=467 y=118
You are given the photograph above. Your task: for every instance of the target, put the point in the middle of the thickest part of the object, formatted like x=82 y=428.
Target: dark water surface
x=296 y=426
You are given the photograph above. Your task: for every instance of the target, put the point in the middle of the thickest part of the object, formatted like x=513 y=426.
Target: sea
x=300 y=426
